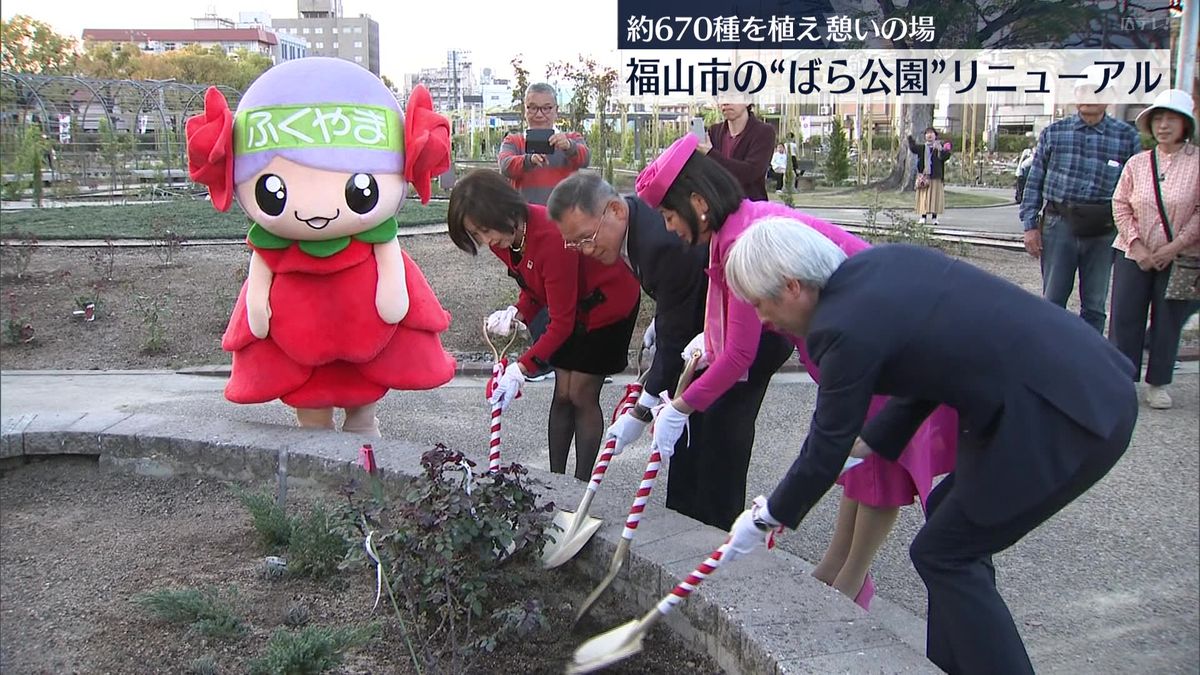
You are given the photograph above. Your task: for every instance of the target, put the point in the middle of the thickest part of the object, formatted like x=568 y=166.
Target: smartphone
x=537 y=142
x=698 y=129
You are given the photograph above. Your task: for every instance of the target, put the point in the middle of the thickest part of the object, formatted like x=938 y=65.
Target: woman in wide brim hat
x=1155 y=256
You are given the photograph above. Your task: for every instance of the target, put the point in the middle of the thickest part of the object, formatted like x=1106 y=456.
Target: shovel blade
x=608 y=648
x=575 y=532
x=613 y=569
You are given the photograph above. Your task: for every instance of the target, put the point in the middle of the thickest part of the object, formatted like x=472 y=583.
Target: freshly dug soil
x=77 y=544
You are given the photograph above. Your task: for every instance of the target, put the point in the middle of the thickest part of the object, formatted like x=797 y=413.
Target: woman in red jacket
x=592 y=307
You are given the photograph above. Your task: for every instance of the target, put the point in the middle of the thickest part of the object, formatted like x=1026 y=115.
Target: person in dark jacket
x=1038 y=425
x=743 y=145
x=931 y=174
x=592 y=307
x=616 y=230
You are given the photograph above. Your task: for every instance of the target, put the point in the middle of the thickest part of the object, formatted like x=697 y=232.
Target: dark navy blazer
x=672 y=273
x=1032 y=383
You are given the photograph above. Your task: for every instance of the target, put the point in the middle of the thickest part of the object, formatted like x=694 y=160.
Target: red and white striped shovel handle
x=684 y=588
x=632 y=392
x=649 y=476
x=494 y=442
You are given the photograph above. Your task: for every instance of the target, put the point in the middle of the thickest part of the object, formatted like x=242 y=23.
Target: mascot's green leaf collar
x=382 y=233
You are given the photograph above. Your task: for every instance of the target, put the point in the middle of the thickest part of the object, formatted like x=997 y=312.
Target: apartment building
x=209 y=31
x=330 y=33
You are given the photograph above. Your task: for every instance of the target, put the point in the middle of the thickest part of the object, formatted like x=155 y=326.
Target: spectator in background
x=1023 y=165
x=931 y=174
x=535 y=175
x=793 y=149
x=1075 y=169
x=778 y=169
x=1141 y=274
x=742 y=144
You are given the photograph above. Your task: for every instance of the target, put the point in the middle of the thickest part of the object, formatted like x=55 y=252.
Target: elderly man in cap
x=1066 y=208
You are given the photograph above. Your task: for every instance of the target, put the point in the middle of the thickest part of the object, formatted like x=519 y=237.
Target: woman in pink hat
x=704 y=205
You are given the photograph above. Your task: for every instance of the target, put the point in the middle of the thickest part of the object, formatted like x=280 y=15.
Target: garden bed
x=81 y=545
x=153 y=315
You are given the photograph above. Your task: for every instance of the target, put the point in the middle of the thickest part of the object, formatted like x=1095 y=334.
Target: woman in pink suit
x=694 y=195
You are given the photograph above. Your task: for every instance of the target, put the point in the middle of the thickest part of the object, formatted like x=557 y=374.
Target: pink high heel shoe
x=863 y=599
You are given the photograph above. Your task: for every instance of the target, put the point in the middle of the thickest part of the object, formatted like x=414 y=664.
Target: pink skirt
x=885 y=484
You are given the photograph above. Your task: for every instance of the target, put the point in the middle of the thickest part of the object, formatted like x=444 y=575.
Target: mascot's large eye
x=362 y=192
x=271 y=194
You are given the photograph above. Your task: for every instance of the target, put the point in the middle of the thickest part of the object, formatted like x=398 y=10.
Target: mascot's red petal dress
x=327 y=345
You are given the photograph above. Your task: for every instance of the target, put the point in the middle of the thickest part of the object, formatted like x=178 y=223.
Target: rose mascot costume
x=333 y=313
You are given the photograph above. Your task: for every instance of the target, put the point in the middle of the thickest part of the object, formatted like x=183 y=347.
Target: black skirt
x=602 y=351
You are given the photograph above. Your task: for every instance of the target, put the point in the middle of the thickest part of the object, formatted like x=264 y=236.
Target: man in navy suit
x=1038 y=424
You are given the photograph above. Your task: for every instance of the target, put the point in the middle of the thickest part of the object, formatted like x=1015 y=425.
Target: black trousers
x=707 y=479
x=969 y=628
x=1134 y=293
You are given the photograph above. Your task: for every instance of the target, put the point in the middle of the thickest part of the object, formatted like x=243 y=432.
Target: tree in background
x=837 y=158
x=32 y=47
x=192 y=64
x=594 y=85
x=521 y=83
x=1008 y=24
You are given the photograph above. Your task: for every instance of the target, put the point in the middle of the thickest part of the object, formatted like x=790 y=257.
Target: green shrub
x=318 y=543
x=272 y=524
x=309 y=651
x=203 y=611
x=837 y=158
x=448 y=545
x=205 y=665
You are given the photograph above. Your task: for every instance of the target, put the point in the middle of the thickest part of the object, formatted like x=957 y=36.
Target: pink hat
x=656 y=178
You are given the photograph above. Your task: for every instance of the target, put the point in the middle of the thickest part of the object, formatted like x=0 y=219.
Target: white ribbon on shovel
x=369 y=545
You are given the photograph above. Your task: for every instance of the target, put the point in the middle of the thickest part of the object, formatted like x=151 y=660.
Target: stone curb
x=762 y=614
x=469 y=365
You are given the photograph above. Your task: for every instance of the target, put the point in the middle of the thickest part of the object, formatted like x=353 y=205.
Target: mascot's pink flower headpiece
x=322 y=113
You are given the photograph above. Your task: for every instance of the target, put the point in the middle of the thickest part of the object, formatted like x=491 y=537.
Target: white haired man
x=1038 y=425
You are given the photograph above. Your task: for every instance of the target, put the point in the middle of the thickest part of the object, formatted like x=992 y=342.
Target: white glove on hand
x=745 y=535
x=500 y=322
x=508 y=386
x=627 y=429
x=650 y=337
x=668 y=427
x=696 y=346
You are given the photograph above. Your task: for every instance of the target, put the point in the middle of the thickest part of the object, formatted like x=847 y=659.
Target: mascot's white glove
x=501 y=321
x=628 y=429
x=754 y=527
x=696 y=346
x=650 y=337
x=508 y=386
x=668 y=427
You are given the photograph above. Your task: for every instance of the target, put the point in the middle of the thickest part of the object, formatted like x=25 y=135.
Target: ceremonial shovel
x=639 y=505
x=575 y=529
x=626 y=640
x=499 y=363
